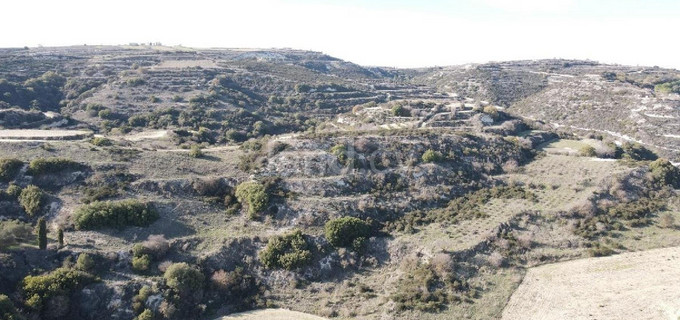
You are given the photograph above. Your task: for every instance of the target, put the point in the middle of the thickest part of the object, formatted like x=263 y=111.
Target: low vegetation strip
x=627 y=286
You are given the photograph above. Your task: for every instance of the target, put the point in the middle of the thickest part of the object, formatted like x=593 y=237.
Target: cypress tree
x=60 y=237
x=42 y=234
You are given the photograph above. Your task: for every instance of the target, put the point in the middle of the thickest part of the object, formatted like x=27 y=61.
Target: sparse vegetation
x=13 y=232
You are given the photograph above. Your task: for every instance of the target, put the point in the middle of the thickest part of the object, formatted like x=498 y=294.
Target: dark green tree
x=42 y=234
x=60 y=237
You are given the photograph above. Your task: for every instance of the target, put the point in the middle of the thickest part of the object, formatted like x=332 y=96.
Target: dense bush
x=196 y=152
x=141 y=263
x=38 y=290
x=139 y=300
x=13 y=232
x=289 y=252
x=635 y=151
x=101 y=142
x=184 y=279
x=665 y=173
x=145 y=315
x=492 y=111
x=9 y=169
x=85 y=262
x=254 y=195
x=588 y=151
x=432 y=156
x=52 y=165
x=399 y=111
x=668 y=87
x=31 y=199
x=342 y=232
x=114 y=214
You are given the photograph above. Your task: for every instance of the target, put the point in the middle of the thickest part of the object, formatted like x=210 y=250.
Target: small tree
x=42 y=234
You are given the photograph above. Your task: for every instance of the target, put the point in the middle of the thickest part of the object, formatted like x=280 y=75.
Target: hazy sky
x=403 y=33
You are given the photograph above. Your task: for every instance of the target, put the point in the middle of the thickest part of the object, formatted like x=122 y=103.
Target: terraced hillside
x=150 y=182
x=630 y=103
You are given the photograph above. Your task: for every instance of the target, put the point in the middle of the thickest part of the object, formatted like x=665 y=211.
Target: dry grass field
x=635 y=285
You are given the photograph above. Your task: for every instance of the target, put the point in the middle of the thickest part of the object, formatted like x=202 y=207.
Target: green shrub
x=139 y=300
x=665 y=173
x=183 y=278
x=13 y=191
x=7 y=309
x=432 y=156
x=342 y=232
x=492 y=111
x=85 y=262
x=587 y=151
x=52 y=165
x=600 y=250
x=289 y=252
x=635 y=151
x=42 y=234
x=340 y=151
x=145 y=315
x=254 y=195
x=37 y=290
x=114 y=214
x=134 y=82
x=668 y=87
x=13 y=232
x=101 y=142
x=196 y=152
x=141 y=263
x=31 y=199
x=9 y=169
x=399 y=111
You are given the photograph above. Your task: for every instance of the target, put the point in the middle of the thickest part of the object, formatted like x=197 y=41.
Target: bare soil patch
x=635 y=285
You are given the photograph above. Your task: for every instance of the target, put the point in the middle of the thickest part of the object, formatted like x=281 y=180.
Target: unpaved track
x=636 y=285
x=271 y=314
